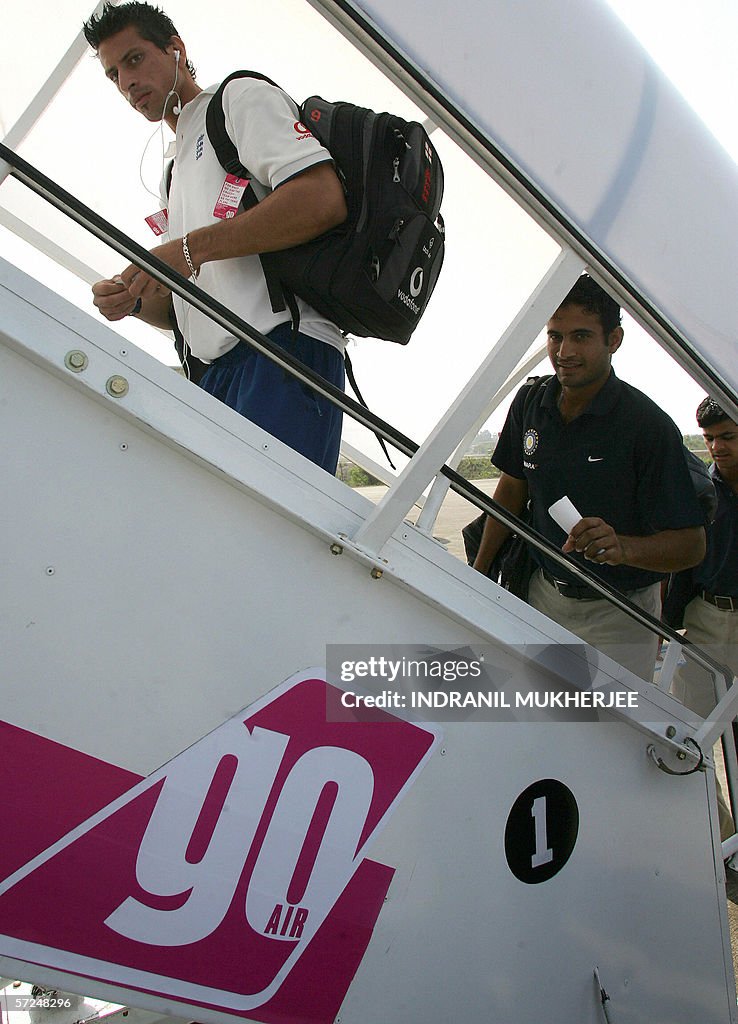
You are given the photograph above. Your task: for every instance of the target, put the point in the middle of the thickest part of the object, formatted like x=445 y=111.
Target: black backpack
x=373 y=275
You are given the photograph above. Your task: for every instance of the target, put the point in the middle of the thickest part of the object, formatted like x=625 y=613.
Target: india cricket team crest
x=530 y=441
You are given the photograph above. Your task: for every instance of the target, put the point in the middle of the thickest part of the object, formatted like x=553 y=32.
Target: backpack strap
x=534 y=385
x=220 y=140
x=228 y=158
x=193 y=367
x=348 y=365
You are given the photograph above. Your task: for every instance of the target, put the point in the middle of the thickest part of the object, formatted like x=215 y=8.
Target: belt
x=577 y=591
x=724 y=603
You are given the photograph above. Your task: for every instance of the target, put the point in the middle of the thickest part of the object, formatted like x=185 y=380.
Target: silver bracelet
x=188 y=258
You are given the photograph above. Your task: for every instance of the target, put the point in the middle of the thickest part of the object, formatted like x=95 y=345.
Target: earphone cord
x=157 y=196
x=160 y=129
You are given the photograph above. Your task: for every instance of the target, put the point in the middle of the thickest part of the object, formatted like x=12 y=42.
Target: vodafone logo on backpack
x=234 y=879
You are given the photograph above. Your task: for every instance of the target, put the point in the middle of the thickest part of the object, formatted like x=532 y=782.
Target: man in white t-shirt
x=144 y=57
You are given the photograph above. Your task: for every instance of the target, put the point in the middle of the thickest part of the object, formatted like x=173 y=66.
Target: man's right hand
x=113 y=299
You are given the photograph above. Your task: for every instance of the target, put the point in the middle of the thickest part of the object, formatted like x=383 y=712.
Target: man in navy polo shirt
x=711 y=617
x=620 y=460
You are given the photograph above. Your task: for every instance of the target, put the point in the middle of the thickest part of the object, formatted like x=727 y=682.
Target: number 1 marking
x=543 y=854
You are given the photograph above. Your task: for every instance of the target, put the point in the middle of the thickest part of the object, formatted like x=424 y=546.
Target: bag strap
x=355 y=387
x=534 y=385
x=225 y=148
x=228 y=158
x=193 y=367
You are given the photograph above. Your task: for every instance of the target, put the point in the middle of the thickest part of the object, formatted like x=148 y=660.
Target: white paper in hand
x=565 y=514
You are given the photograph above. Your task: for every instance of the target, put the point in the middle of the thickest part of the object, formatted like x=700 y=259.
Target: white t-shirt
x=275 y=146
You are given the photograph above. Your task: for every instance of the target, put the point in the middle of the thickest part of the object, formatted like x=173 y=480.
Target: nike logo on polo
x=592 y=459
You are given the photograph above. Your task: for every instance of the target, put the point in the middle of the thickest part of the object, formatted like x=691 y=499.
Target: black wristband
x=136 y=308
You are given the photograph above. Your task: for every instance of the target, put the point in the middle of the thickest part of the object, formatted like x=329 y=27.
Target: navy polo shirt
x=622 y=459
x=718 y=573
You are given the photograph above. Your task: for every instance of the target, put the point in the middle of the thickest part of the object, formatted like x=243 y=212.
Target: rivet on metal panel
x=117 y=386
x=670 y=732
x=124 y=351
x=76 y=361
x=443 y=751
x=336 y=549
x=50 y=570
x=377 y=573
x=124 y=446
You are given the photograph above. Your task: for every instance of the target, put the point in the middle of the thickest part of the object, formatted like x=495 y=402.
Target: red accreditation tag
x=158 y=222
x=230 y=197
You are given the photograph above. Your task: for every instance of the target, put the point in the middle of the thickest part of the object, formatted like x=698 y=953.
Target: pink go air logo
x=231 y=879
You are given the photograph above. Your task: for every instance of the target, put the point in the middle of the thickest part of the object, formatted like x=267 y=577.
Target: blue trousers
x=245 y=380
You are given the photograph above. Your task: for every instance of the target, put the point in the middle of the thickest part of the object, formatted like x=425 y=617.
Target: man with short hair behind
x=144 y=57
x=704 y=600
x=620 y=460
x=711 y=616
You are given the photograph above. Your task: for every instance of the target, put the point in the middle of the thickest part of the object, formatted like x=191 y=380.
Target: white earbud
x=177 y=108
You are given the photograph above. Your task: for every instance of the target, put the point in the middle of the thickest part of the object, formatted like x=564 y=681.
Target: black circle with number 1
x=541 y=831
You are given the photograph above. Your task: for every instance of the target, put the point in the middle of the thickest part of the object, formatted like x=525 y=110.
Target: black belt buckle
x=723 y=602
x=573 y=591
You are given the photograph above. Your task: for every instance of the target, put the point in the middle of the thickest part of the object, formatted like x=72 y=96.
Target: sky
x=92 y=144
